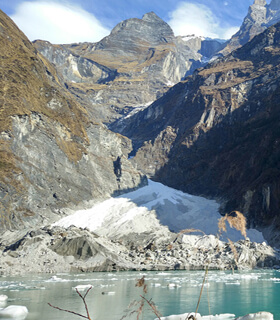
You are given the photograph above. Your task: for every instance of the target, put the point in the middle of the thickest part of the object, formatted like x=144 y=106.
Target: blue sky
x=66 y=21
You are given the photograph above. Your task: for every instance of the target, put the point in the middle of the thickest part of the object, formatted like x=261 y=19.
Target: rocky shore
x=56 y=249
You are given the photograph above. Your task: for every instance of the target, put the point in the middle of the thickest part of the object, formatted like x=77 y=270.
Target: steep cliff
x=260 y=16
x=51 y=154
x=133 y=66
x=217 y=133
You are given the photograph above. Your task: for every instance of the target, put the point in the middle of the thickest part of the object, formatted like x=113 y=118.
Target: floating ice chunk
x=257 y=316
x=3 y=298
x=82 y=287
x=226 y=316
x=56 y=279
x=156 y=284
x=173 y=285
x=198 y=316
x=275 y=279
x=14 y=312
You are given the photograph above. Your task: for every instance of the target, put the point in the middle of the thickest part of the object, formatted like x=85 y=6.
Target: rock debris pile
x=55 y=249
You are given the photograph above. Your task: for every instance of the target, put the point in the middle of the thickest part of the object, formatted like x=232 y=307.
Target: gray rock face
x=52 y=155
x=135 y=65
x=74 y=68
x=131 y=36
x=260 y=16
x=201 y=137
x=55 y=181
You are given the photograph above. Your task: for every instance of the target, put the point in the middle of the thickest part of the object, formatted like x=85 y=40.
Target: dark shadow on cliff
x=237 y=160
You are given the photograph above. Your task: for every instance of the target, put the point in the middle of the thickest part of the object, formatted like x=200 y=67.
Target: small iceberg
x=55 y=279
x=227 y=316
x=82 y=287
x=173 y=285
x=14 y=312
x=257 y=316
x=156 y=285
x=3 y=298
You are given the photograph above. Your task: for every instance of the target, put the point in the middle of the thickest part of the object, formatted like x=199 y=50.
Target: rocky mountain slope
x=133 y=66
x=217 y=133
x=260 y=16
x=214 y=134
x=52 y=154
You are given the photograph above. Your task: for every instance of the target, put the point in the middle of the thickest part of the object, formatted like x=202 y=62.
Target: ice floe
x=197 y=316
x=227 y=316
x=82 y=287
x=14 y=312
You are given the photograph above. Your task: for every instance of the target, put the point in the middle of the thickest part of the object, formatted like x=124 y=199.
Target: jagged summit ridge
x=151 y=17
x=260 y=16
x=130 y=68
x=260 y=2
x=151 y=29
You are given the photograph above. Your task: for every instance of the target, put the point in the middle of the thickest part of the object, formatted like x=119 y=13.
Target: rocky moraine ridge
x=55 y=249
x=199 y=136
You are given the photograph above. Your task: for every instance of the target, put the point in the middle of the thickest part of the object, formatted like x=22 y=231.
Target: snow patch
x=137 y=109
x=150 y=208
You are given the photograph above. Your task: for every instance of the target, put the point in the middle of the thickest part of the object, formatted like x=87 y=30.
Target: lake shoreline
x=57 y=249
x=174 y=293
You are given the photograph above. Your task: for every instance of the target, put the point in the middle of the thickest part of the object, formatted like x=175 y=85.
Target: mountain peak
x=151 y=17
x=260 y=2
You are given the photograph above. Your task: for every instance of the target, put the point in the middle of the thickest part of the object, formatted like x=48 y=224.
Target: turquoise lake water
x=173 y=292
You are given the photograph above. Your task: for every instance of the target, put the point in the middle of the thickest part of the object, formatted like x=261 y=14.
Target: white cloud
x=229 y=32
x=189 y=18
x=58 y=23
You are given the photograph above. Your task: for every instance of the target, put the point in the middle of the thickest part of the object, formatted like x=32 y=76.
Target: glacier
x=151 y=207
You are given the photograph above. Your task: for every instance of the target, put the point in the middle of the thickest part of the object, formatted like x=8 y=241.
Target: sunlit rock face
x=52 y=154
x=260 y=16
x=133 y=66
x=216 y=134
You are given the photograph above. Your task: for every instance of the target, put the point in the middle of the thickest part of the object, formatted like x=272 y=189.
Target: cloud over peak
x=194 y=18
x=58 y=22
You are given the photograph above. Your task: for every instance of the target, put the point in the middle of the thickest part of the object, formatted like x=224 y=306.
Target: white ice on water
x=139 y=211
x=226 y=316
x=14 y=312
x=82 y=287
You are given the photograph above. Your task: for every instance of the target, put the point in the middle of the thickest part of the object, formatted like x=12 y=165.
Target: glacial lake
x=174 y=292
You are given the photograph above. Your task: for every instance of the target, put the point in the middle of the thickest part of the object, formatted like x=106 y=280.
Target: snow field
x=148 y=209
